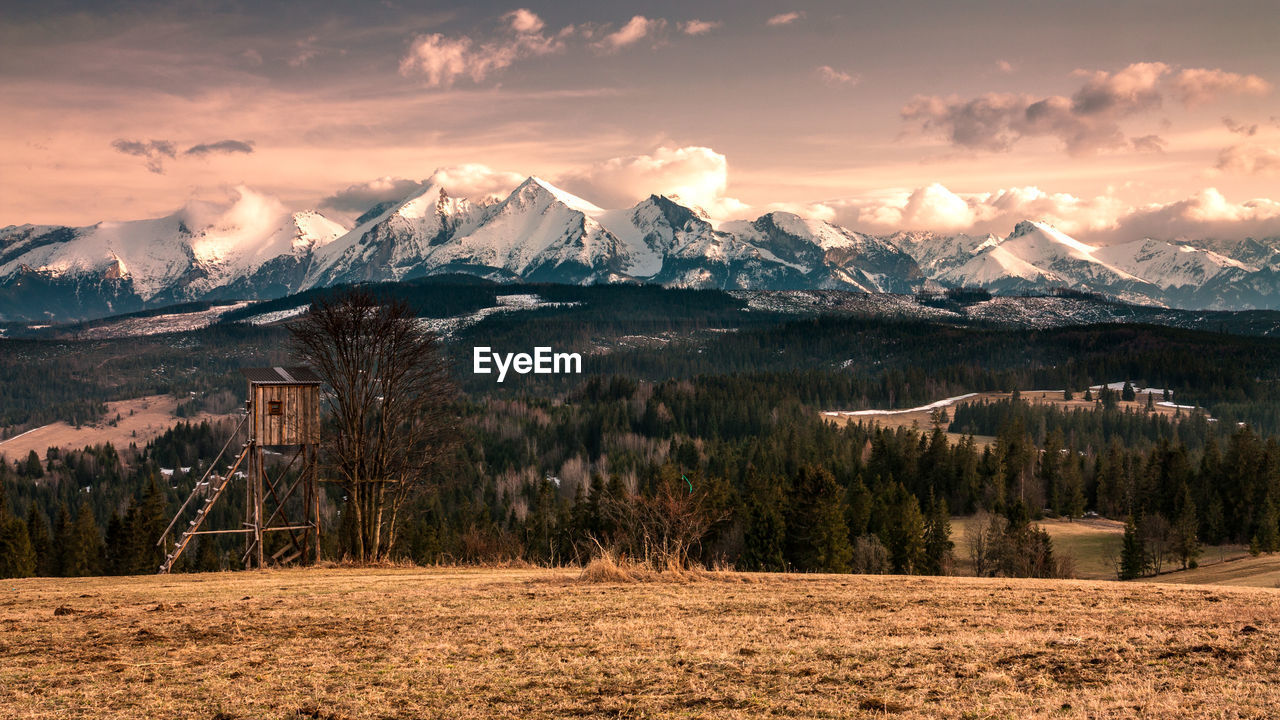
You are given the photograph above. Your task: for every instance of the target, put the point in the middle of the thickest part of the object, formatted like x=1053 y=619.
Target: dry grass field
x=1239 y=569
x=343 y=643
x=151 y=416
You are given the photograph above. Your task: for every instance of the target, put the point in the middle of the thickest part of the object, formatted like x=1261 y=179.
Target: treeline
x=97 y=511
x=778 y=487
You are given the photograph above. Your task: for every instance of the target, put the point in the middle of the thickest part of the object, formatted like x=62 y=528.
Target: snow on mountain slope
x=537 y=232
x=1038 y=256
x=201 y=247
x=1168 y=265
x=252 y=247
x=392 y=244
x=936 y=253
x=653 y=229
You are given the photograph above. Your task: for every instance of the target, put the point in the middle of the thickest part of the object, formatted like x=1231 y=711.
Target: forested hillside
x=689 y=397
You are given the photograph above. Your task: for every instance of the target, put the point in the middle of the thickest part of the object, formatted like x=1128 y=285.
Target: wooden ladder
x=193 y=526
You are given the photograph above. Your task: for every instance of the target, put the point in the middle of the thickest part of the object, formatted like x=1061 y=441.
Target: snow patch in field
x=276 y=316
x=930 y=406
x=159 y=324
x=445 y=327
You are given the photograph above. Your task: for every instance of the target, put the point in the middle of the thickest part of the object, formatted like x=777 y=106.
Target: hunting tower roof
x=294 y=375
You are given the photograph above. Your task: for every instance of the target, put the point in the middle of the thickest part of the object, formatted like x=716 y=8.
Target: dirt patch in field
x=140 y=421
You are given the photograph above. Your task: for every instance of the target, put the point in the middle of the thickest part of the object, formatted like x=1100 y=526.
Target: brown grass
x=401 y=643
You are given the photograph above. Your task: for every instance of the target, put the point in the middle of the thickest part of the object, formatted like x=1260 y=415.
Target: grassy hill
x=340 y=643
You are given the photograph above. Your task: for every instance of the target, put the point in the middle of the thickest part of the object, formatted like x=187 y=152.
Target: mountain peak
x=535 y=185
x=1026 y=227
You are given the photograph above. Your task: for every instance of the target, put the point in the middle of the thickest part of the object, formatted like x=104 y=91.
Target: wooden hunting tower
x=283 y=413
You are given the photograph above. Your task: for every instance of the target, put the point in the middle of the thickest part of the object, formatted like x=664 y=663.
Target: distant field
x=922 y=419
x=151 y=416
x=342 y=644
x=1092 y=544
x=1242 y=569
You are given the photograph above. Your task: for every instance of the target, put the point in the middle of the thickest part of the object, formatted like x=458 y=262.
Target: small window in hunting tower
x=273 y=408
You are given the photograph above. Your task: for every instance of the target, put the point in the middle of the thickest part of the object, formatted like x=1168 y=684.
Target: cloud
x=153 y=151
x=831 y=76
x=1207 y=214
x=1085 y=123
x=362 y=196
x=1197 y=86
x=306 y=51
x=1005 y=66
x=637 y=28
x=1240 y=128
x=443 y=60
x=1250 y=160
x=1104 y=219
x=937 y=208
x=225 y=147
x=1148 y=143
x=699 y=27
x=472 y=181
x=695 y=175
x=475 y=181
x=784 y=19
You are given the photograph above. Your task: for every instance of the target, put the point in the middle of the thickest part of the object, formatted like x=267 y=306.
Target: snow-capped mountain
x=197 y=252
x=937 y=253
x=1036 y=257
x=252 y=248
x=541 y=233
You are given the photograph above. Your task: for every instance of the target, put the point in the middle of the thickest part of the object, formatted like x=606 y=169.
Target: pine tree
x=90 y=541
x=1267 y=534
x=34 y=469
x=902 y=530
x=937 y=538
x=1186 y=541
x=1133 y=556
x=817 y=537
x=17 y=558
x=1127 y=393
x=41 y=541
x=67 y=552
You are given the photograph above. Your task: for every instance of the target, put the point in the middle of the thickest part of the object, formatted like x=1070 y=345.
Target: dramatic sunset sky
x=1109 y=119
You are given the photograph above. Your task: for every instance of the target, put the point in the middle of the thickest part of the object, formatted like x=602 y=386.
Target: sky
x=1110 y=120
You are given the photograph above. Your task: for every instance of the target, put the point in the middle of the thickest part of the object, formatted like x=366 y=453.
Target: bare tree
x=389 y=418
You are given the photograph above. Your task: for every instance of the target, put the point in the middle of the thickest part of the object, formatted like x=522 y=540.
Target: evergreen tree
x=88 y=537
x=17 y=558
x=1127 y=393
x=1185 y=529
x=937 y=538
x=41 y=541
x=902 y=530
x=33 y=468
x=1267 y=534
x=67 y=552
x=1133 y=556
x=817 y=537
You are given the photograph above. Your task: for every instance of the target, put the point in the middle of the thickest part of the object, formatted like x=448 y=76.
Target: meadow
x=341 y=644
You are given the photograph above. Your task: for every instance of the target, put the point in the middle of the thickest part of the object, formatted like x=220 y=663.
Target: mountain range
x=254 y=248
